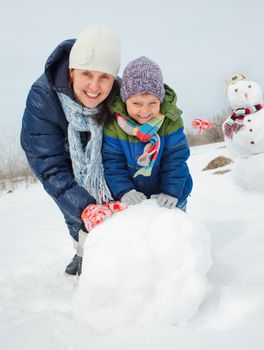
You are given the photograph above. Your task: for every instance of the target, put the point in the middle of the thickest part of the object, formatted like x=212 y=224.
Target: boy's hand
x=133 y=197
x=164 y=200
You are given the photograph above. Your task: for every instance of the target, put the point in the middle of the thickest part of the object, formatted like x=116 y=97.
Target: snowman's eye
x=236 y=90
x=249 y=86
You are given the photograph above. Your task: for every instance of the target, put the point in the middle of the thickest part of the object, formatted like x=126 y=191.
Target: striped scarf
x=145 y=133
x=86 y=163
x=240 y=113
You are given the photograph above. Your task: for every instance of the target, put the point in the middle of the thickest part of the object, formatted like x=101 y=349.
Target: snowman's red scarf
x=240 y=113
x=235 y=122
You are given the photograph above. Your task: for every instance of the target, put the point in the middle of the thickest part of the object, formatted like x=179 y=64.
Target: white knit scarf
x=86 y=162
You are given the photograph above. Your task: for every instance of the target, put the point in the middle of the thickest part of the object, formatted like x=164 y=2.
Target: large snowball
x=144 y=266
x=249 y=172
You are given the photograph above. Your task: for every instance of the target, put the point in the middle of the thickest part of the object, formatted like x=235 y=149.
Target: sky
x=197 y=44
x=135 y=259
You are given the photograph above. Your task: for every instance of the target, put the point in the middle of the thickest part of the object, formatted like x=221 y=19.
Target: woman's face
x=91 y=87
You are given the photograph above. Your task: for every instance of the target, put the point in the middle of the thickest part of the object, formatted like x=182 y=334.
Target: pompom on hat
x=233 y=79
x=142 y=76
x=97 y=48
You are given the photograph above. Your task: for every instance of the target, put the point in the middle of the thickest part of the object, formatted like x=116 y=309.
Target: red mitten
x=116 y=206
x=228 y=130
x=94 y=214
x=231 y=128
x=237 y=126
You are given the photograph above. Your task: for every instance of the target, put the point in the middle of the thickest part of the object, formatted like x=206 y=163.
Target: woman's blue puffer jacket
x=45 y=142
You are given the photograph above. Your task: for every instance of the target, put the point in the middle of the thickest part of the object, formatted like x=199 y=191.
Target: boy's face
x=143 y=107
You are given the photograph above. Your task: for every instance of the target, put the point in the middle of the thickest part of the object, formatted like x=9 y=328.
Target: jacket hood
x=168 y=106
x=57 y=65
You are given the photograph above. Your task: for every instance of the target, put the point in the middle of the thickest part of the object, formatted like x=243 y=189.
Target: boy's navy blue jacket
x=170 y=174
x=45 y=141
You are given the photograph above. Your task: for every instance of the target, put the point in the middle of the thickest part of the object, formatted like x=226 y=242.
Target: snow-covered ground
x=36 y=298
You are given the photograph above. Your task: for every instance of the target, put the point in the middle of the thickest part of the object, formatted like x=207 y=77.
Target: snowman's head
x=244 y=94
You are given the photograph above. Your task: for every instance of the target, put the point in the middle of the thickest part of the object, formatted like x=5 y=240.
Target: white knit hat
x=97 y=48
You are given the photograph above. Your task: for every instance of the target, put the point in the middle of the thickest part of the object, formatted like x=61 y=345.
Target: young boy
x=145 y=149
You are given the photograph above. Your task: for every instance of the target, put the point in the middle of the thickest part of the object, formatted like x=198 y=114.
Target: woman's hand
x=94 y=214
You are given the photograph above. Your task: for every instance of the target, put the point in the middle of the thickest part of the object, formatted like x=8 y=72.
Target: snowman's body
x=244 y=136
x=249 y=139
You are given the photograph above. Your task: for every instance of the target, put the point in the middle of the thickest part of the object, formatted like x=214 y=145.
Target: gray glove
x=164 y=200
x=133 y=197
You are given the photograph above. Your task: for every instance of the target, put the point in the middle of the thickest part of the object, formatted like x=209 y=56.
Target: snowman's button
x=252 y=142
x=250 y=129
x=249 y=120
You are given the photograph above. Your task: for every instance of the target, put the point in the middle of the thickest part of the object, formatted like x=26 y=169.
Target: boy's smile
x=143 y=107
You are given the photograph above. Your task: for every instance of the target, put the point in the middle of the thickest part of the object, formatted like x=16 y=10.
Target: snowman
x=244 y=129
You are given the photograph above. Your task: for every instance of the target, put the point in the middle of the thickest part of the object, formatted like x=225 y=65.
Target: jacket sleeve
x=175 y=176
x=43 y=142
x=115 y=166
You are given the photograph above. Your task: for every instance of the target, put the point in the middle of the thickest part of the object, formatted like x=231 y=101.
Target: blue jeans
x=73 y=226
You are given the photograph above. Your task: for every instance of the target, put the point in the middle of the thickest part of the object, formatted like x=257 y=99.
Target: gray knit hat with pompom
x=142 y=76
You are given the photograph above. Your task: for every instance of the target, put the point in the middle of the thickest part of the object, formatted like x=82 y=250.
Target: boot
x=72 y=267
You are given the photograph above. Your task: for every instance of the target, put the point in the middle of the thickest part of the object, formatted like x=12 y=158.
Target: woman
x=62 y=125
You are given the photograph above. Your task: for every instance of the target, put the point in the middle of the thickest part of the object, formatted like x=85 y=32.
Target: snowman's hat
x=233 y=79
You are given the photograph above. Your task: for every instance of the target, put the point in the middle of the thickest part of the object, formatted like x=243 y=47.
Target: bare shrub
x=215 y=134
x=14 y=169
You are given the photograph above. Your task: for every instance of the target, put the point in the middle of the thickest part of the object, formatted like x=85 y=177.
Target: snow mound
x=144 y=266
x=249 y=172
